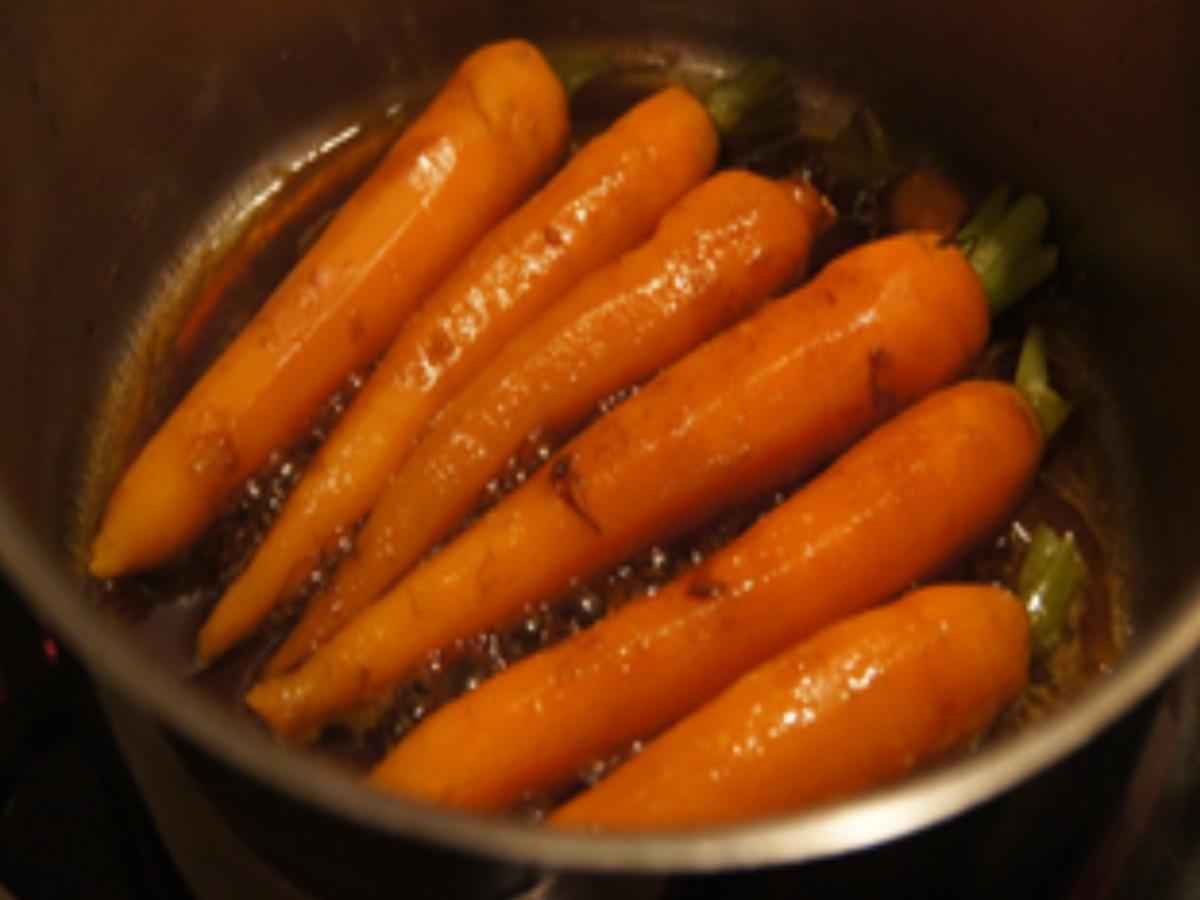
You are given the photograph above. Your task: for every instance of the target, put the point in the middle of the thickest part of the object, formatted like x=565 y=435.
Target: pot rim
x=853 y=824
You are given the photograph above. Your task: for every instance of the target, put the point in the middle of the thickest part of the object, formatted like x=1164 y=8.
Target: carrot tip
x=212 y=641
x=819 y=211
x=106 y=559
x=288 y=656
x=206 y=651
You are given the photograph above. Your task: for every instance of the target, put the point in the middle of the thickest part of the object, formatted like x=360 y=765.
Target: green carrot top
x=1003 y=243
x=1033 y=381
x=1050 y=577
x=576 y=68
x=754 y=102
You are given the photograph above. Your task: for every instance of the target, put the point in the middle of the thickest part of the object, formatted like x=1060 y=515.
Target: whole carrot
x=606 y=199
x=910 y=497
x=729 y=243
x=859 y=704
x=488 y=137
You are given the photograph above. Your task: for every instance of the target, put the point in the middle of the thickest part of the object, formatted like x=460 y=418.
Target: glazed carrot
x=911 y=496
x=731 y=242
x=487 y=138
x=765 y=401
x=926 y=199
x=605 y=200
x=861 y=703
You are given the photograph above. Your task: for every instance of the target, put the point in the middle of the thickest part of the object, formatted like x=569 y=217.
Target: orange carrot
x=861 y=703
x=910 y=497
x=606 y=199
x=730 y=242
x=768 y=400
x=488 y=137
x=927 y=199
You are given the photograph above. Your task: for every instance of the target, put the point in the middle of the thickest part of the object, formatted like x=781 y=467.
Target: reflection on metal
x=214 y=862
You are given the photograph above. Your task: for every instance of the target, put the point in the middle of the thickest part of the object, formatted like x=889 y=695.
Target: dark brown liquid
x=166 y=607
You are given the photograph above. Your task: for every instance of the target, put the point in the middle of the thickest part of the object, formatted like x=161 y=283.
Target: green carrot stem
x=756 y=101
x=576 y=68
x=1044 y=544
x=1033 y=381
x=987 y=217
x=1004 y=245
x=1050 y=578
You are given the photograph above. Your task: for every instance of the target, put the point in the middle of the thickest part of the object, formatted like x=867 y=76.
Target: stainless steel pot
x=124 y=125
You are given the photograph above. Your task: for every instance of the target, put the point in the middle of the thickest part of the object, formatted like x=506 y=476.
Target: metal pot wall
x=124 y=126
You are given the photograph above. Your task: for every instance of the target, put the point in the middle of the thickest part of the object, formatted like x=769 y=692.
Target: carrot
x=605 y=200
x=859 y=704
x=910 y=497
x=768 y=400
x=487 y=138
x=926 y=199
x=732 y=241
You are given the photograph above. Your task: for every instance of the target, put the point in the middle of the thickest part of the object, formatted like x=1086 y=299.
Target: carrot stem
x=987 y=217
x=1050 y=578
x=1004 y=245
x=1033 y=381
x=755 y=102
x=576 y=68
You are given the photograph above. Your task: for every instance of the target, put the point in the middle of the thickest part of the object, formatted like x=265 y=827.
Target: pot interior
x=135 y=141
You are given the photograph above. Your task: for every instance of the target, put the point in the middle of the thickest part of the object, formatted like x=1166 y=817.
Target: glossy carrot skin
x=606 y=199
x=861 y=703
x=484 y=142
x=910 y=497
x=731 y=242
x=765 y=401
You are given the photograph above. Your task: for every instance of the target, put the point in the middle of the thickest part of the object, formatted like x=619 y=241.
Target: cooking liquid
x=166 y=607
